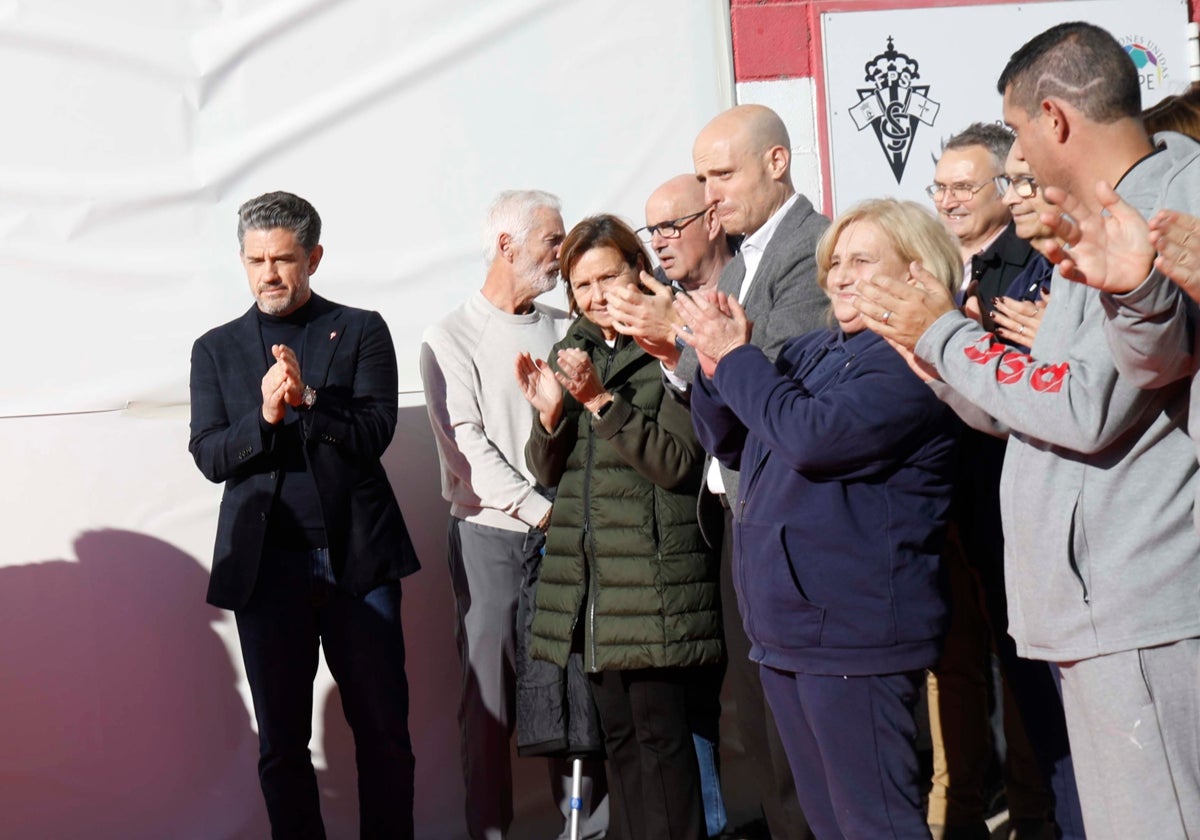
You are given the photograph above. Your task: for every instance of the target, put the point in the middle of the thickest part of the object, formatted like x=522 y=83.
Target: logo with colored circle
x=1149 y=60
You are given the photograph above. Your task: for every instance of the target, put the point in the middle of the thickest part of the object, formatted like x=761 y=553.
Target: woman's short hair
x=913 y=231
x=1176 y=113
x=602 y=231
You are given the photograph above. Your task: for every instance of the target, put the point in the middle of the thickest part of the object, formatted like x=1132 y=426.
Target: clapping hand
x=647 y=317
x=281 y=385
x=713 y=325
x=576 y=374
x=1108 y=249
x=1018 y=320
x=1176 y=237
x=540 y=388
x=902 y=310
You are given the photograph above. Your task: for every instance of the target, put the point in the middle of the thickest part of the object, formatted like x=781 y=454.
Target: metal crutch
x=576 y=795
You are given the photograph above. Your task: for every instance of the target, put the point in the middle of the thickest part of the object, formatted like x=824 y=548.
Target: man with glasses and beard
x=498 y=513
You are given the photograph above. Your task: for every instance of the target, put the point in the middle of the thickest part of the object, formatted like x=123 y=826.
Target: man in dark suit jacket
x=292 y=406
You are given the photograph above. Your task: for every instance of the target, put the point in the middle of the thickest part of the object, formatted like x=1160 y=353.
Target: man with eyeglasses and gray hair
x=968 y=191
x=692 y=249
x=498 y=512
x=971 y=207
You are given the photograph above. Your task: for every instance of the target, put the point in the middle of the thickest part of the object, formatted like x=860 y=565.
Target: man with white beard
x=498 y=513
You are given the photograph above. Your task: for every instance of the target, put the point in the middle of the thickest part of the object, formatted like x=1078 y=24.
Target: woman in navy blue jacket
x=846 y=460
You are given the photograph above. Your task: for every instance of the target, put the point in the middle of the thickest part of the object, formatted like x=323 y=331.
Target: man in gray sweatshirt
x=498 y=513
x=1101 y=559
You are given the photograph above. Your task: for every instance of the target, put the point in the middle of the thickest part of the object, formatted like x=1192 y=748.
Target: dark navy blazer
x=846 y=460
x=349 y=358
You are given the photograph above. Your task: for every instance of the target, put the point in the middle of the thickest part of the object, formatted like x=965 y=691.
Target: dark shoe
x=1031 y=830
x=753 y=830
x=971 y=831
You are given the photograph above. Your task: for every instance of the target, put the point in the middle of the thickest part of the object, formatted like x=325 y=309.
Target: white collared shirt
x=753 y=247
x=756 y=243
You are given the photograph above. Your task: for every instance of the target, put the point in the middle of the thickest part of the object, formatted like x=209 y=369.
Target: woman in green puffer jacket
x=627 y=578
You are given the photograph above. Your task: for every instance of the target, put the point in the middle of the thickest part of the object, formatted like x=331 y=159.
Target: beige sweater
x=480 y=419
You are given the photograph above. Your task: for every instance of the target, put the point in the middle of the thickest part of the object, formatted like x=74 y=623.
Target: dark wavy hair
x=281 y=210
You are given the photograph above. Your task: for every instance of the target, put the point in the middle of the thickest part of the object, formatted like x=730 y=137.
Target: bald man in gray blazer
x=743 y=160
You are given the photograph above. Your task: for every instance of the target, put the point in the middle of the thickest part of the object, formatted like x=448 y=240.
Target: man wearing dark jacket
x=970 y=204
x=293 y=404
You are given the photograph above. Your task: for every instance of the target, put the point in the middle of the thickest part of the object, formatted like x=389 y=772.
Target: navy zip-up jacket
x=846 y=462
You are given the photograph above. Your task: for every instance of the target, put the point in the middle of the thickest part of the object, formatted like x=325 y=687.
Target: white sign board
x=899 y=82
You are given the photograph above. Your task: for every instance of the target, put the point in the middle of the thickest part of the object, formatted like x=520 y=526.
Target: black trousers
x=654 y=781
x=294 y=611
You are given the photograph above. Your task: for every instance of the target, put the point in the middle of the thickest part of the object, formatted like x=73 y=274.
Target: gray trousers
x=487 y=566
x=1134 y=723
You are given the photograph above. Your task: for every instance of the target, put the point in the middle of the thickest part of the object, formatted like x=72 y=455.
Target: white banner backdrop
x=884 y=142
x=133 y=129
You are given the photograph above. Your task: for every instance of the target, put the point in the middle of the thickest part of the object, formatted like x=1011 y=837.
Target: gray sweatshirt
x=1099 y=478
x=1152 y=330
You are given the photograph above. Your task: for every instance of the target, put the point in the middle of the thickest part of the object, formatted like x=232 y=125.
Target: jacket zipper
x=589 y=659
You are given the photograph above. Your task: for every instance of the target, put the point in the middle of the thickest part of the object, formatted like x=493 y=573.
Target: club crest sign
x=893 y=106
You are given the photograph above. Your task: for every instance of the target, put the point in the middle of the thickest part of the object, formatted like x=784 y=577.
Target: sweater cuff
x=616 y=414
x=931 y=347
x=1155 y=295
x=533 y=509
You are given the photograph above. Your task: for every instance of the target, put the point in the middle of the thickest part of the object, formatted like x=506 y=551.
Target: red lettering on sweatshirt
x=1013 y=365
x=984 y=349
x=1048 y=379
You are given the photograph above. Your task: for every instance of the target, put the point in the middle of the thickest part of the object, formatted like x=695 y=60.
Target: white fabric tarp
x=132 y=131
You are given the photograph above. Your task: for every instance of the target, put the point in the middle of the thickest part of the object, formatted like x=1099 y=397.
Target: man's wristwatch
x=309 y=398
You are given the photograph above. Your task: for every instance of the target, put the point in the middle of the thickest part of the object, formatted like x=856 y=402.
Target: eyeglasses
x=1025 y=186
x=959 y=192
x=669 y=229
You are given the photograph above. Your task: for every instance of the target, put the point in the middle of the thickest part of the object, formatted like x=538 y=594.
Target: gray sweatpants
x=1134 y=723
x=486 y=570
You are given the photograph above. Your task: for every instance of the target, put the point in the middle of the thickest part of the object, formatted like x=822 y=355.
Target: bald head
x=743 y=158
x=756 y=126
x=695 y=252
x=683 y=192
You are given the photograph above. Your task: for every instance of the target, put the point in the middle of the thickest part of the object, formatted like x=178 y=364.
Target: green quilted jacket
x=624 y=553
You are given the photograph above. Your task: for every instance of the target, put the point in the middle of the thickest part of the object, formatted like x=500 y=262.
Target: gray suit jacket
x=784 y=300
